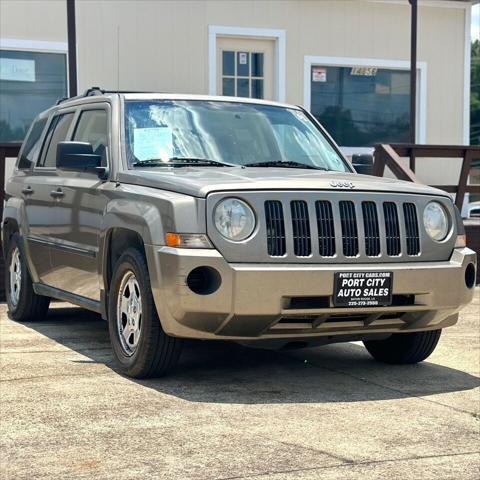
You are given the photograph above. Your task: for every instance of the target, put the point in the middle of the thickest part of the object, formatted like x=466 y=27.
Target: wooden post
x=413 y=81
x=72 y=49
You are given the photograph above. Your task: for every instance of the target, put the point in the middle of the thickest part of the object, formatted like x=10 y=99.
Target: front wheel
x=404 y=348
x=140 y=346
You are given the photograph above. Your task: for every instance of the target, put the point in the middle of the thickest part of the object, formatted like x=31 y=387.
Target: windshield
x=217 y=133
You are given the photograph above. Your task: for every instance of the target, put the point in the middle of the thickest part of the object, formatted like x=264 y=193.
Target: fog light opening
x=204 y=280
x=470 y=275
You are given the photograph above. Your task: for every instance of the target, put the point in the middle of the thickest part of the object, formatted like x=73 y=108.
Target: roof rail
x=92 y=91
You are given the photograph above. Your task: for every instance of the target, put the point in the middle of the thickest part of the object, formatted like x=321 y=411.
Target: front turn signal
x=187 y=240
x=461 y=241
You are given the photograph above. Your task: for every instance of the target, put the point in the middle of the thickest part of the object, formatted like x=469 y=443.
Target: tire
x=24 y=305
x=404 y=348
x=140 y=346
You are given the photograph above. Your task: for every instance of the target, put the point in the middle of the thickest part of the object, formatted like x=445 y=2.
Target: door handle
x=58 y=193
x=27 y=190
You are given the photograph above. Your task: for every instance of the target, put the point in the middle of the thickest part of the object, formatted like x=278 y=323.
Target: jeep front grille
x=411 y=228
x=370 y=225
x=349 y=228
x=275 y=228
x=326 y=228
x=392 y=228
x=356 y=227
x=302 y=245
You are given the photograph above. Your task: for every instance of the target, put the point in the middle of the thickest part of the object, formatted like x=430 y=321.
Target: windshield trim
x=127 y=98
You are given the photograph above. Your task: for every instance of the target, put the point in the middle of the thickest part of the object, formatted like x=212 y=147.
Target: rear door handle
x=58 y=193
x=27 y=190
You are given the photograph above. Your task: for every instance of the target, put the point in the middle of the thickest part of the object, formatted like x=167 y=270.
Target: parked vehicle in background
x=180 y=216
x=473 y=210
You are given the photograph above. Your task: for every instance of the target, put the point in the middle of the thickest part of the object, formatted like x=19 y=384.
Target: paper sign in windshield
x=153 y=143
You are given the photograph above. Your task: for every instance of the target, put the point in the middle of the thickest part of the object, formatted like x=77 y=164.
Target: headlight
x=234 y=219
x=435 y=220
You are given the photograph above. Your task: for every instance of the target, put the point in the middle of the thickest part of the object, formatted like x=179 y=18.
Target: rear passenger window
x=32 y=145
x=57 y=132
x=92 y=127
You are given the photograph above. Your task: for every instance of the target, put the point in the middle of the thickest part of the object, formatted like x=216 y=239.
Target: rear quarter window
x=57 y=132
x=32 y=144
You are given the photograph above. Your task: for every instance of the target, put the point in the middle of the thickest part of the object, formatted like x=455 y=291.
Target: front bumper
x=254 y=301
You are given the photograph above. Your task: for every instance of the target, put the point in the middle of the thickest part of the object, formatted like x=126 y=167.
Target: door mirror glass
x=363 y=163
x=78 y=156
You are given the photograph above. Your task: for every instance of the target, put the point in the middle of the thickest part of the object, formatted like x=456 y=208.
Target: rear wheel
x=24 y=304
x=141 y=348
x=404 y=348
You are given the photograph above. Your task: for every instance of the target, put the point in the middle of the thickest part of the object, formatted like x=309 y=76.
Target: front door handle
x=27 y=190
x=58 y=193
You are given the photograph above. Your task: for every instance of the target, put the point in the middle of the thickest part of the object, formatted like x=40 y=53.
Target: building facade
x=346 y=61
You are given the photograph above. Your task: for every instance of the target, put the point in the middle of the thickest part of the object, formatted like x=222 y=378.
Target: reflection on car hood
x=200 y=181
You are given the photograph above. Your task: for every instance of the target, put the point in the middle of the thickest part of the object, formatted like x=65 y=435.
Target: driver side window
x=92 y=127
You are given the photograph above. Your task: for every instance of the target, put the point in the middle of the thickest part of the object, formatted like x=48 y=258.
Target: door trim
x=265 y=33
x=61 y=246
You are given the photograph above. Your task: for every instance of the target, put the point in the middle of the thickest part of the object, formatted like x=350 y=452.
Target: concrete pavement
x=230 y=412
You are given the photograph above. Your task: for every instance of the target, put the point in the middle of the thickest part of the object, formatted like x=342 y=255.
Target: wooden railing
x=390 y=156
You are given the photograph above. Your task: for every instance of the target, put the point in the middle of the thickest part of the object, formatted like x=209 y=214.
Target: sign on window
x=17 y=70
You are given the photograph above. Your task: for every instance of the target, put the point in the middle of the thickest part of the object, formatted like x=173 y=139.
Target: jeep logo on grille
x=341 y=184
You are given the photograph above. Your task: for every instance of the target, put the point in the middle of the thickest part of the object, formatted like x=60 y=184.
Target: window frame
x=389 y=64
x=38 y=46
x=41 y=139
x=103 y=106
x=77 y=111
x=44 y=149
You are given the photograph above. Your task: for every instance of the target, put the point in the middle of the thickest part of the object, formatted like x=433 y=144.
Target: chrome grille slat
x=349 y=228
x=301 y=228
x=326 y=228
x=275 y=228
x=372 y=232
x=411 y=229
x=392 y=229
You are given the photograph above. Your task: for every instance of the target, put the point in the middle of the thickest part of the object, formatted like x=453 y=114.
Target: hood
x=200 y=181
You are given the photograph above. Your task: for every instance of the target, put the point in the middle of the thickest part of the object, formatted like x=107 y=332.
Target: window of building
x=32 y=144
x=57 y=132
x=92 y=127
x=362 y=106
x=30 y=82
x=242 y=74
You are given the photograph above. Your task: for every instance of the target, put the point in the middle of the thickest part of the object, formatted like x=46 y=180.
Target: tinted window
x=30 y=82
x=92 y=127
x=32 y=144
x=57 y=132
x=362 y=106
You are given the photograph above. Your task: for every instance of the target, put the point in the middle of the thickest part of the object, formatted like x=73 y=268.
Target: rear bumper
x=254 y=301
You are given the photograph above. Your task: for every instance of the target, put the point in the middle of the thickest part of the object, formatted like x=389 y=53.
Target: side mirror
x=363 y=163
x=79 y=156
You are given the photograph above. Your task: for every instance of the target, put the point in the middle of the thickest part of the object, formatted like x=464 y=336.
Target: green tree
x=475 y=95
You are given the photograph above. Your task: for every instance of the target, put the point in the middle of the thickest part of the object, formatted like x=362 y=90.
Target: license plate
x=362 y=289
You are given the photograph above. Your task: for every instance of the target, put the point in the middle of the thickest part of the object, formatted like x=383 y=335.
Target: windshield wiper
x=285 y=164
x=179 y=161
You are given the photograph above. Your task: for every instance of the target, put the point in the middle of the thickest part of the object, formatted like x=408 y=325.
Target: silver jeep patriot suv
x=181 y=216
